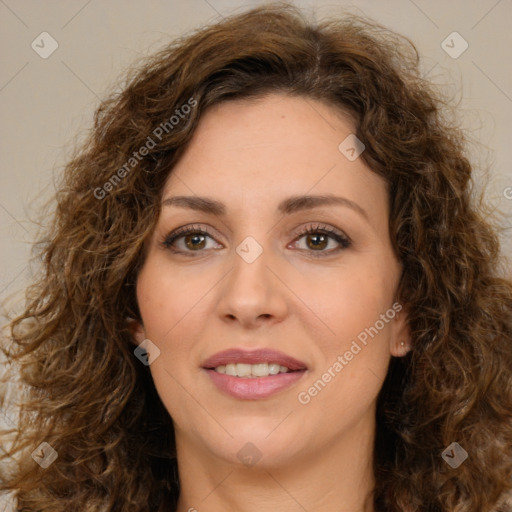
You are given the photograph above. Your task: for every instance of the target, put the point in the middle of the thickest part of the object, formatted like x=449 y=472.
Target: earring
x=404 y=348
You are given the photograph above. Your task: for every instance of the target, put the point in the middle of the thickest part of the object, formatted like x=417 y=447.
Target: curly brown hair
x=96 y=405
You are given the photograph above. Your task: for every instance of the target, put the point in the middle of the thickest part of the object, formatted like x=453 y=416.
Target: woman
x=268 y=287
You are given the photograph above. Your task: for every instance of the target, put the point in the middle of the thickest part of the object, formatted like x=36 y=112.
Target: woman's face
x=249 y=279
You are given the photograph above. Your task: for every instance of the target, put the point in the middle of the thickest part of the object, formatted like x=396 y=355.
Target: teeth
x=244 y=370
x=259 y=370
x=274 y=368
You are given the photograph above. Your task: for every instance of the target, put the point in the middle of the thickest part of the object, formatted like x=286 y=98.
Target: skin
x=318 y=455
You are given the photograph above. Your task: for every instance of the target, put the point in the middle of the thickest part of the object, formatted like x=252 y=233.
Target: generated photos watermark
x=44 y=455
x=304 y=397
x=454 y=455
x=137 y=156
x=146 y=352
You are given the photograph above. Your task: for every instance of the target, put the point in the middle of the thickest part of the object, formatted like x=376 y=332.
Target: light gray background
x=47 y=103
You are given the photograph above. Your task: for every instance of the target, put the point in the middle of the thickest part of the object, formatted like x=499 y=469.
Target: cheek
x=352 y=298
x=163 y=304
x=173 y=309
x=353 y=354
x=166 y=297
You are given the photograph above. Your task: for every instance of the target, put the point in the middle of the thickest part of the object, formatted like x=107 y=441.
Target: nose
x=252 y=293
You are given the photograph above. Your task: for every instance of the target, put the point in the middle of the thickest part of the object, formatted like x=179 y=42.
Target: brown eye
x=317 y=241
x=188 y=240
x=195 y=241
x=191 y=240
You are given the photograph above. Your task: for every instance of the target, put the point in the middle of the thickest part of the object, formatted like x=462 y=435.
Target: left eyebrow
x=297 y=203
x=286 y=207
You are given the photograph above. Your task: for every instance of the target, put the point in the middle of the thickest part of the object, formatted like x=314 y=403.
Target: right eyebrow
x=200 y=204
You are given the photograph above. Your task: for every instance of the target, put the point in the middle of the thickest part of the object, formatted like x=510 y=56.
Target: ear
x=400 y=340
x=136 y=330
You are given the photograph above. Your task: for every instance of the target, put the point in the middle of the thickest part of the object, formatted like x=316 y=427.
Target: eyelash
x=343 y=240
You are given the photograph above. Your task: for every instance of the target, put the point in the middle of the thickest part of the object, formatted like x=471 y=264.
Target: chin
x=264 y=443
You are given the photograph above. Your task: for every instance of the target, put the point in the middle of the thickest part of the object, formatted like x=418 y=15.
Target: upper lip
x=238 y=355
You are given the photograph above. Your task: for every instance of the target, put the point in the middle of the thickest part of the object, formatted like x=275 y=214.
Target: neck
x=335 y=476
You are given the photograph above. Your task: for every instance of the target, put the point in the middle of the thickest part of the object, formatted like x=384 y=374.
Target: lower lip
x=256 y=387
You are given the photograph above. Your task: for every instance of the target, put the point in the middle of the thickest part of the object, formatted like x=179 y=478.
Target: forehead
x=261 y=151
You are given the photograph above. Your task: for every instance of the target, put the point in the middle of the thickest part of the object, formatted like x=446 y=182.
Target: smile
x=245 y=370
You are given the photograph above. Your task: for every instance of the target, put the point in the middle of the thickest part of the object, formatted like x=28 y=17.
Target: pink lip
x=253 y=357
x=253 y=388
